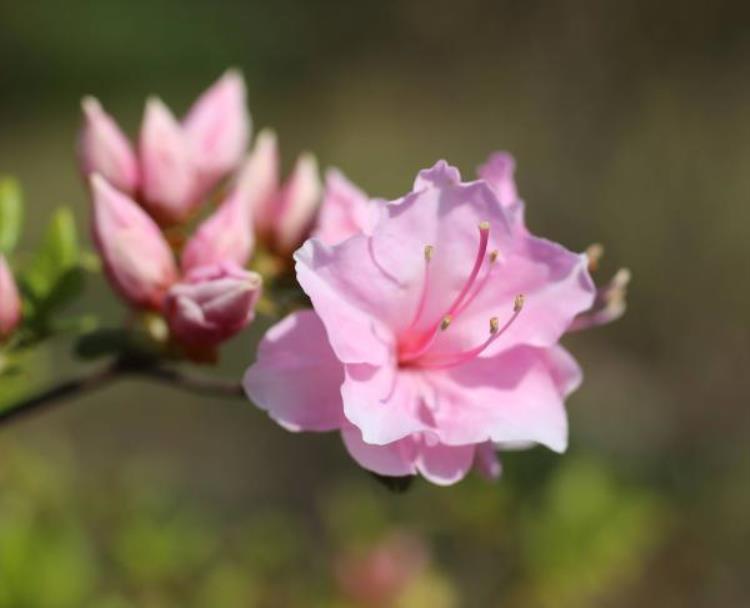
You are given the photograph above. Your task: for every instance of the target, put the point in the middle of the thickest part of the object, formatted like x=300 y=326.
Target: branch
x=201 y=385
x=59 y=393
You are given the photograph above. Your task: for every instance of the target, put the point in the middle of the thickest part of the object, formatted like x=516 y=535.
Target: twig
x=59 y=393
x=201 y=385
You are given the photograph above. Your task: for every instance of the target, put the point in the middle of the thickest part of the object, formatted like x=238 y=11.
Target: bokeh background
x=630 y=122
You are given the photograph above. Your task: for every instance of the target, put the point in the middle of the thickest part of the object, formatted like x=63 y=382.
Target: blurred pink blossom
x=378 y=575
x=212 y=304
x=10 y=301
x=431 y=336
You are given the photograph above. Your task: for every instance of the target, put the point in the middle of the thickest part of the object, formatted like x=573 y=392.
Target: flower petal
x=444 y=465
x=396 y=459
x=386 y=404
x=345 y=210
x=516 y=396
x=297 y=378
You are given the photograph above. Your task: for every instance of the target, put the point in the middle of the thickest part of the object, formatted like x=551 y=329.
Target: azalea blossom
x=434 y=335
x=177 y=163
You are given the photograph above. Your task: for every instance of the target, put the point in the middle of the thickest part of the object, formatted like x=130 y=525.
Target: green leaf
x=49 y=275
x=11 y=214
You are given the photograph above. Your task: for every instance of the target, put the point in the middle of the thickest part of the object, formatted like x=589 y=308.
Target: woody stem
x=118 y=369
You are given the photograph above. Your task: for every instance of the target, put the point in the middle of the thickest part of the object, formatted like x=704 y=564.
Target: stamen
x=484 y=237
x=451 y=360
x=493 y=257
x=431 y=334
x=594 y=253
x=429 y=251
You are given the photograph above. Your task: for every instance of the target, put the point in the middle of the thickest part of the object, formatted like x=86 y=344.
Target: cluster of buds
x=142 y=202
x=10 y=301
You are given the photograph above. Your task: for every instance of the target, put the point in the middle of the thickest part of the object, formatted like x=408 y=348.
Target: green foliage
x=11 y=214
x=588 y=536
x=55 y=275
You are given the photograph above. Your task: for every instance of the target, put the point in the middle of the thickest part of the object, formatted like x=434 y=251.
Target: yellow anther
x=622 y=277
x=594 y=253
x=446 y=322
x=518 y=302
x=494 y=325
x=494 y=255
x=484 y=225
x=429 y=250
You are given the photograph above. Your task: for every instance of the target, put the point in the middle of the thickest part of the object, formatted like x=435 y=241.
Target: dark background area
x=630 y=122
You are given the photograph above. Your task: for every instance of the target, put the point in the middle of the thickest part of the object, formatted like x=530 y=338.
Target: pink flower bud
x=217 y=128
x=226 y=236
x=260 y=179
x=137 y=259
x=170 y=183
x=104 y=148
x=212 y=304
x=10 y=301
x=297 y=204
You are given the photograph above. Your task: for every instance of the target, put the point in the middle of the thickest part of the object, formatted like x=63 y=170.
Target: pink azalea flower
x=432 y=336
x=177 y=163
x=212 y=304
x=10 y=301
x=283 y=214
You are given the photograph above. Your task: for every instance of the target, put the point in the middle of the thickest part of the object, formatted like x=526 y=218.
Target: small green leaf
x=11 y=214
x=67 y=288
x=57 y=255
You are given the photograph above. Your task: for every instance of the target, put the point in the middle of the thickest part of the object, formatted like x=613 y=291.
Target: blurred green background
x=630 y=122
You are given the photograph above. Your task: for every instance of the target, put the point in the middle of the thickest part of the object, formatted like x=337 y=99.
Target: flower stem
x=118 y=369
